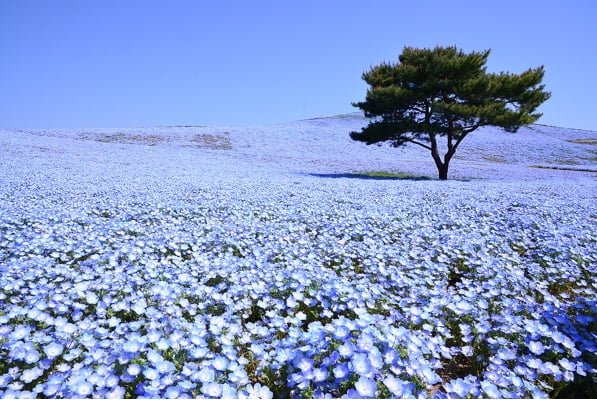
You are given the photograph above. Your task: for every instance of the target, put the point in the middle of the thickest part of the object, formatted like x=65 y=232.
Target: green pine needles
x=444 y=92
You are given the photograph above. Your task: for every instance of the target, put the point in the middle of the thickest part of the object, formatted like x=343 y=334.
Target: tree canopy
x=444 y=92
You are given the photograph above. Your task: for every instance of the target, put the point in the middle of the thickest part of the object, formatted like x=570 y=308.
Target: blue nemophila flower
x=31 y=355
x=50 y=389
x=376 y=358
x=320 y=394
x=491 y=390
x=506 y=354
x=360 y=364
x=228 y=392
x=536 y=347
x=341 y=332
x=20 y=332
x=534 y=363
x=5 y=379
x=198 y=352
x=566 y=341
x=567 y=365
x=111 y=380
x=18 y=351
x=83 y=388
x=212 y=389
x=205 y=374
x=91 y=298
x=549 y=368
x=97 y=380
x=429 y=375
x=320 y=374
x=460 y=387
x=134 y=369
x=220 y=363
x=461 y=307
x=151 y=374
x=5 y=330
x=154 y=356
x=238 y=377
x=173 y=392
x=365 y=387
x=346 y=349
x=341 y=371
x=398 y=387
x=165 y=367
x=69 y=328
x=153 y=335
x=29 y=375
x=303 y=363
x=390 y=356
x=283 y=354
x=300 y=380
x=187 y=385
x=258 y=391
x=163 y=344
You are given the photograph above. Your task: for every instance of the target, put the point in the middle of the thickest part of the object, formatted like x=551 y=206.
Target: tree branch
x=418 y=109
x=469 y=129
x=451 y=148
x=420 y=144
x=461 y=137
x=433 y=147
x=465 y=132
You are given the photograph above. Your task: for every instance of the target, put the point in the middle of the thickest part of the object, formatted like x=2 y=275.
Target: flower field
x=189 y=262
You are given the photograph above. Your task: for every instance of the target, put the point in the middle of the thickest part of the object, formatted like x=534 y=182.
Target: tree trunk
x=442 y=167
x=443 y=171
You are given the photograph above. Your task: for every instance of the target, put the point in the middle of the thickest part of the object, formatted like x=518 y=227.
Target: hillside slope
x=187 y=251
x=314 y=146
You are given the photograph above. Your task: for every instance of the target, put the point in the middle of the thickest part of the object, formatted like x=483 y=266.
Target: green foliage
x=384 y=392
x=216 y=280
x=389 y=175
x=445 y=92
x=457 y=271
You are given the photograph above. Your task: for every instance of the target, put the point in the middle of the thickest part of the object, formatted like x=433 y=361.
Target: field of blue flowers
x=264 y=262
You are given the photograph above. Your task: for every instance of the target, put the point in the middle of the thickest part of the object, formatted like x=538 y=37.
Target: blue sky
x=74 y=64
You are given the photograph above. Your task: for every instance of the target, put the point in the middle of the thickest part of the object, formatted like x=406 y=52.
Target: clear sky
x=134 y=63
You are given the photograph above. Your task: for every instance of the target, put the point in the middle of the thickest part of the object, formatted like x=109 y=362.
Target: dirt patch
x=565 y=169
x=457 y=368
x=583 y=141
x=214 y=142
x=495 y=159
x=123 y=138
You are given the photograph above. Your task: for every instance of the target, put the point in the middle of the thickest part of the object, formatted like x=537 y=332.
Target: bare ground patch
x=583 y=141
x=565 y=168
x=124 y=138
x=213 y=141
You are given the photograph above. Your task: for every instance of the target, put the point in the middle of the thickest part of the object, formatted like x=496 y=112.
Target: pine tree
x=444 y=92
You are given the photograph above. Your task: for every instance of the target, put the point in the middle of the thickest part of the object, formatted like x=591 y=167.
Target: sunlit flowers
x=180 y=278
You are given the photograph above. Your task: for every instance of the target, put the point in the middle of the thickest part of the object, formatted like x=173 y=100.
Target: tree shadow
x=377 y=177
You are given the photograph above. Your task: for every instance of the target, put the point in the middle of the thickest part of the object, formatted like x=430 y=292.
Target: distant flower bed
x=417 y=289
